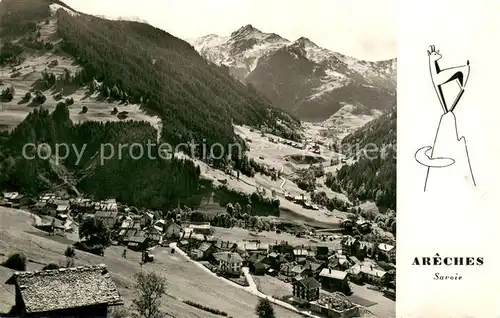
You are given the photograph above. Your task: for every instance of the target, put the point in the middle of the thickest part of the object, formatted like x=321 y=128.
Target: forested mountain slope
x=373 y=175
x=123 y=62
x=196 y=99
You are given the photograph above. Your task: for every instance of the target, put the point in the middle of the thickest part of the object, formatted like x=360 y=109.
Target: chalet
x=311 y=269
x=354 y=260
x=204 y=251
x=66 y=292
x=334 y=280
x=147 y=219
x=172 y=230
x=322 y=252
x=276 y=259
x=258 y=264
x=61 y=206
x=228 y=262
x=109 y=218
x=350 y=245
x=302 y=254
x=366 y=272
x=286 y=270
x=299 y=199
x=191 y=236
x=306 y=289
x=388 y=250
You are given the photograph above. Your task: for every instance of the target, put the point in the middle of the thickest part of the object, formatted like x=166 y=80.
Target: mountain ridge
x=268 y=61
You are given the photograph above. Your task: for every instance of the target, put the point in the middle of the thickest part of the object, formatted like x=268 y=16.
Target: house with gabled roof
x=306 y=289
x=254 y=246
x=85 y=291
x=302 y=254
x=388 y=250
x=229 y=262
x=334 y=280
x=110 y=218
x=172 y=230
x=350 y=245
x=204 y=251
x=366 y=272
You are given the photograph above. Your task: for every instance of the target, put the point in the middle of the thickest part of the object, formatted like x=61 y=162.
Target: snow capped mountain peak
x=300 y=75
x=245 y=31
x=304 y=42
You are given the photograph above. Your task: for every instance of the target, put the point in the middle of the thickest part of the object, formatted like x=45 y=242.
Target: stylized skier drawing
x=449 y=151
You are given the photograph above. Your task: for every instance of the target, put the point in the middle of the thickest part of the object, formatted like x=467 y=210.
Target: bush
x=50 y=266
x=27 y=96
x=264 y=309
x=205 y=308
x=16 y=262
x=39 y=98
x=8 y=94
x=70 y=101
x=69 y=252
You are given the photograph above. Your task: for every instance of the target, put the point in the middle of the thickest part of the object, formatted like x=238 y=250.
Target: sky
x=364 y=29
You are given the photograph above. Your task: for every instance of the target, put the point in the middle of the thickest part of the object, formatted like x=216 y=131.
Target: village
x=321 y=273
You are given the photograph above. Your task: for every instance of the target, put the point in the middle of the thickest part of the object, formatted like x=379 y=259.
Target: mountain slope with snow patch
x=300 y=76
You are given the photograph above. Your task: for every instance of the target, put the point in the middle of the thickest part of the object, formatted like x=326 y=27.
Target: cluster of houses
x=11 y=199
x=129 y=227
x=307 y=268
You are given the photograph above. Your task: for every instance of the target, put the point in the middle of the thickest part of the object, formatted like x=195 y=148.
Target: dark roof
x=308 y=282
x=66 y=288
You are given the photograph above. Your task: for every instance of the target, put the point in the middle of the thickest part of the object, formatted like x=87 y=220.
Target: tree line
x=370 y=178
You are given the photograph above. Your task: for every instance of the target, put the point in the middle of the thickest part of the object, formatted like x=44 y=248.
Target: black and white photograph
x=168 y=158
